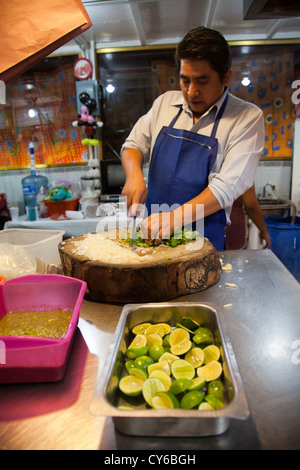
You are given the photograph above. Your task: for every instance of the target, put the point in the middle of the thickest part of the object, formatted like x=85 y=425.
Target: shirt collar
x=213 y=109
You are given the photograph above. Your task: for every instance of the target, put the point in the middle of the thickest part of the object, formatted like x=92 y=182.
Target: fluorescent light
x=245 y=81
x=110 y=88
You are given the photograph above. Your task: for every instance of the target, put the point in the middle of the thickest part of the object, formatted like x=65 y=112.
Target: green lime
x=150 y=388
x=182 y=369
x=143 y=361
x=210 y=371
x=203 y=335
x=197 y=383
x=140 y=329
x=129 y=364
x=216 y=388
x=195 y=356
x=180 y=385
x=191 y=399
x=164 y=400
x=160 y=365
x=133 y=353
x=131 y=385
x=156 y=351
x=211 y=353
x=138 y=372
x=138 y=341
x=189 y=323
x=166 y=341
x=163 y=376
x=214 y=401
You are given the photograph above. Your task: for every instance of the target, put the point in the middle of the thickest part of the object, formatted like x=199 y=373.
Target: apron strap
x=217 y=120
x=219 y=115
x=176 y=117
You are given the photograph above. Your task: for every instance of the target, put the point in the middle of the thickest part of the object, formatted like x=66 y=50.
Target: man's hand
x=135 y=188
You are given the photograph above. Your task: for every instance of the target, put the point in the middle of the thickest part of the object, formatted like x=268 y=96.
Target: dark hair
x=205 y=44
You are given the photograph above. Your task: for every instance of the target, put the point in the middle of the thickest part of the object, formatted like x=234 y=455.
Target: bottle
x=32 y=183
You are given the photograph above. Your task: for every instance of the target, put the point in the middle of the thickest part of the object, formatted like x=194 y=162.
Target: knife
x=132 y=235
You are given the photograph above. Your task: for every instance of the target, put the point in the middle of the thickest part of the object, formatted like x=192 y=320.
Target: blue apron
x=180 y=165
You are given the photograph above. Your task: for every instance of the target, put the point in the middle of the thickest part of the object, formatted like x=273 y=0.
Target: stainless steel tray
x=174 y=422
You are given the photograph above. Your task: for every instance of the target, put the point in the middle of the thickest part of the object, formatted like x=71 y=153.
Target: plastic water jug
x=33 y=183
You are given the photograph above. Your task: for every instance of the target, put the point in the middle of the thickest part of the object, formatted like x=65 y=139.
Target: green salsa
x=46 y=324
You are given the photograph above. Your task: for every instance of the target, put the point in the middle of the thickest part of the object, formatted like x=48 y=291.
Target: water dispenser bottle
x=32 y=183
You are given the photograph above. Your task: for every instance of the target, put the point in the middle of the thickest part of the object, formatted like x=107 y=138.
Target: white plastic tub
x=41 y=244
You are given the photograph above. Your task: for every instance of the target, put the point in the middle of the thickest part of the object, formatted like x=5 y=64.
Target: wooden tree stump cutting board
x=166 y=274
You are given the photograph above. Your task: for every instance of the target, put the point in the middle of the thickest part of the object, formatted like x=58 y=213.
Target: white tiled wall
x=276 y=173
x=11 y=181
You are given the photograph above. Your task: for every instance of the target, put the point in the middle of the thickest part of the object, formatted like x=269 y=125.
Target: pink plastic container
x=35 y=359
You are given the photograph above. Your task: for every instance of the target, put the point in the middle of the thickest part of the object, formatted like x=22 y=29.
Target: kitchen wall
x=276 y=172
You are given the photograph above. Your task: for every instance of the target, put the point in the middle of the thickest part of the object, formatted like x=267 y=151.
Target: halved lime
x=178 y=335
x=166 y=327
x=211 y=353
x=138 y=372
x=214 y=401
x=204 y=406
x=182 y=369
x=157 y=329
x=165 y=400
x=203 y=335
x=216 y=388
x=210 y=371
x=143 y=361
x=140 y=329
x=156 y=351
x=189 y=323
x=133 y=353
x=138 y=341
x=163 y=376
x=191 y=399
x=195 y=356
x=197 y=383
x=150 y=388
x=179 y=325
x=180 y=385
x=153 y=338
x=181 y=348
x=169 y=357
x=131 y=385
x=160 y=365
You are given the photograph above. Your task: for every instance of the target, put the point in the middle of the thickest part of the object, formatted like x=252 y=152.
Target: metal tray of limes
x=195 y=392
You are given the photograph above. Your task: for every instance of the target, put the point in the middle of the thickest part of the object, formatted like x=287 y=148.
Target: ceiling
x=127 y=23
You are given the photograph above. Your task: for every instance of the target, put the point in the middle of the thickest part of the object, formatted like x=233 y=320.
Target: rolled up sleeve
x=240 y=159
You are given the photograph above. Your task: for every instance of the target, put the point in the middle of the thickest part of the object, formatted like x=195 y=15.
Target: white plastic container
x=41 y=244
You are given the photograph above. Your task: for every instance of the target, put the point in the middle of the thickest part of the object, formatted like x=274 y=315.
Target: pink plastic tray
x=33 y=359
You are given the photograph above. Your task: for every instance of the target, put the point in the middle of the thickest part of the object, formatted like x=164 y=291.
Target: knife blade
x=132 y=235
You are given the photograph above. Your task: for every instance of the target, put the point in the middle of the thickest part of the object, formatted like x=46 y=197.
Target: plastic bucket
x=285 y=239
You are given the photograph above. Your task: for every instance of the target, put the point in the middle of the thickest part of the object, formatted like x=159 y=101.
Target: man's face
x=201 y=86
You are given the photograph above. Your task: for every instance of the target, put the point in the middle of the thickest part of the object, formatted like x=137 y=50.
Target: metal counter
x=261 y=302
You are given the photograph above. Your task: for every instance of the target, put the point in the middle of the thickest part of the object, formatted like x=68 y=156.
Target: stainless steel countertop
x=263 y=322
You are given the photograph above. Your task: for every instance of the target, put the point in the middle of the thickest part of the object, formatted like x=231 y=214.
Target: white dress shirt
x=240 y=137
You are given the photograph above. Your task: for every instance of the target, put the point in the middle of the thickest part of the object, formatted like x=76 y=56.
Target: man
x=203 y=144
